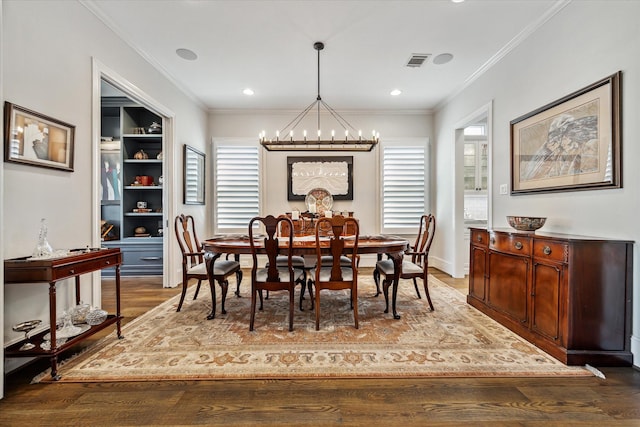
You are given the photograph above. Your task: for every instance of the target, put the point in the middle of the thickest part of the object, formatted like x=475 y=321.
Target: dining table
x=238 y=244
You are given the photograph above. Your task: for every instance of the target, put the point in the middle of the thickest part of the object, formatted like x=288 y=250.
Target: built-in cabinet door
x=546 y=299
x=477 y=272
x=507 y=285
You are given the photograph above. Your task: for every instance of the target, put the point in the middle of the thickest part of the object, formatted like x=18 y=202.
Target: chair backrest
x=272 y=245
x=423 y=241
x=337 y=243
x=188 y=239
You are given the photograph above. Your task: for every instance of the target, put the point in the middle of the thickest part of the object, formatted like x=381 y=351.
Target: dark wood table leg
x=52 y=329
x=118 y=322
x=397 y=265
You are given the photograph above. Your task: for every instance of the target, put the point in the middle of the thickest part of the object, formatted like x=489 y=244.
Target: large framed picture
x=34 y=139
x=332 y=173
x=571 y=144
x=194 y=170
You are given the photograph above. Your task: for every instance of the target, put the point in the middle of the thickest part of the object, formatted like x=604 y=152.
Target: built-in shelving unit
x=132 y=169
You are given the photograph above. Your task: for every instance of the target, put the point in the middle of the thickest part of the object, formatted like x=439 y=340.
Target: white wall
x=47 y=50
x=365 y=165
x=584 y=43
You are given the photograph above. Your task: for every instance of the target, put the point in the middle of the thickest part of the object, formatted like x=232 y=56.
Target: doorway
x=132 y=183
x=472 y=201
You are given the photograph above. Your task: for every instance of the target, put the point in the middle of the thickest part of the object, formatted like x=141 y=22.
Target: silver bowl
x=526 y=223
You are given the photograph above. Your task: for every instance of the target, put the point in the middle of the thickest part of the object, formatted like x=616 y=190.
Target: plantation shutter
x=237 y=187
x=403 y=187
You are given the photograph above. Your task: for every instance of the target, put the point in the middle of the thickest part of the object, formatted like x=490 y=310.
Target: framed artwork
x=34 y=139
x=194 y=170
x=333 y=173
x=571 y=144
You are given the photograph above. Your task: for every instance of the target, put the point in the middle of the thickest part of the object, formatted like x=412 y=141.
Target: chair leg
x=376 y=279
x=212 y=286
x=224 y=286
x=253 y=307
x=261 y=300
x=184 y=292
x=303 y=287
x=317 y=306
x=415 y=285
x=238 y=281
x=291 y=304
x=197 y=289
x=354 y=305
x=426 y=292
x=385 y=286
x=310 y=288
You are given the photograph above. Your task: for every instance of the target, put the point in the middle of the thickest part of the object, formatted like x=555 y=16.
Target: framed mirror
x=194 y=177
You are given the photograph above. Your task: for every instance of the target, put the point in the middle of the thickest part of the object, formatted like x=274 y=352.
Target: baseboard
x=635 y=350
x=442 y=265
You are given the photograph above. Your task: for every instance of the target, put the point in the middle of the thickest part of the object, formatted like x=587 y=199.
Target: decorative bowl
x=526 y=223
x=96 y=316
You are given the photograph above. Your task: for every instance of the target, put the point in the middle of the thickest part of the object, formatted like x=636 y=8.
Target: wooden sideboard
x=568 y=295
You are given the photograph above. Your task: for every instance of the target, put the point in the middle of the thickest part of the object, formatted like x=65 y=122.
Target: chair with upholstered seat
x=193 y=265
x=334 y=273
x=416 y=267
x=275 y=275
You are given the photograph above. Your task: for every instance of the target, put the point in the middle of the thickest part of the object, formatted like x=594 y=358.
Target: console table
x=569 y=295
x=28 y=271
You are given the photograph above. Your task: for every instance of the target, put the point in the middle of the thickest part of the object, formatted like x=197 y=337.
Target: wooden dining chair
x=298 y=261
x=193 y=265
x=335 y=275
x=272 y=277
x=415 y=264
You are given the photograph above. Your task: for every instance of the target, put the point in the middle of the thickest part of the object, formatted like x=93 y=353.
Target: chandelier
x=288 y=139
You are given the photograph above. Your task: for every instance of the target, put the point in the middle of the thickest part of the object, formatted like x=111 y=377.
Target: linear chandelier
x=348 y=140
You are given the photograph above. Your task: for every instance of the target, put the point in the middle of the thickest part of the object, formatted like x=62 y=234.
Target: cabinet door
x=477 y=272
x=507 y=285
x=546 y=297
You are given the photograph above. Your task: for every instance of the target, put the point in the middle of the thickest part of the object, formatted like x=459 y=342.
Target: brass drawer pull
x=479 y=239
x=518 y=245
x=493 y=240
x=546 y=250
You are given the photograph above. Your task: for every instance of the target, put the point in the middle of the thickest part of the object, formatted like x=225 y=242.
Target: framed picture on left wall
x=34 y=139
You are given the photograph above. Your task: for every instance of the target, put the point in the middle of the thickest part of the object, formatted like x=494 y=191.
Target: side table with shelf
x=28 y=272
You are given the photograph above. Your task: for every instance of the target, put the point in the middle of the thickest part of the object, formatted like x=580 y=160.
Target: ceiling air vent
x=417 y=59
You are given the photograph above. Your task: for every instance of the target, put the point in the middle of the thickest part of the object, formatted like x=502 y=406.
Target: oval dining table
x=238 y=244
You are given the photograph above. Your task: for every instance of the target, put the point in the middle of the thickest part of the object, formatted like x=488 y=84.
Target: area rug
x=455 y=340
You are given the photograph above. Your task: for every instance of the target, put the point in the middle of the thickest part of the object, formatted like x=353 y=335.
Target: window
x=404 y=186
x=237 y=186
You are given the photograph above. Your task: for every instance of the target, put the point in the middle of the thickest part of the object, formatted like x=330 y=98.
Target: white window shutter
x=237 y=186
x=403 y=187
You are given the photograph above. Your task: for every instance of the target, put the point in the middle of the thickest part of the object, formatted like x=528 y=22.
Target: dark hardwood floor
x=614 y=401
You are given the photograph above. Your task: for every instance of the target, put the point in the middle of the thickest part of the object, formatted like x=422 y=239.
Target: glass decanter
x=43 y=249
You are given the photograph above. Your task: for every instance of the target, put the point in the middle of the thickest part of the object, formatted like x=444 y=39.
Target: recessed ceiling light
x=248 y=91
x=395 y=92
x=187 y=54
x=457 y=1
x=443 y=58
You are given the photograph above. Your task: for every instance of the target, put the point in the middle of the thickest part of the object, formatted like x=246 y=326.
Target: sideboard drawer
x=479 y=237
x=554 y=251
x=516 y=244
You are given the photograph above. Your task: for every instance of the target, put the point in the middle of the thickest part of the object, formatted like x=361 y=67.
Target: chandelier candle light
x=284 y=139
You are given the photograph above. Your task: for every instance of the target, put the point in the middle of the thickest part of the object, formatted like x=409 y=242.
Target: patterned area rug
x=455 y=340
